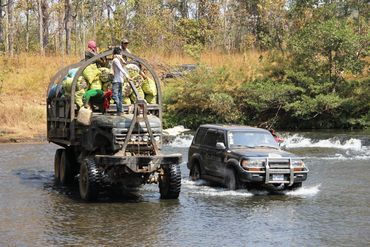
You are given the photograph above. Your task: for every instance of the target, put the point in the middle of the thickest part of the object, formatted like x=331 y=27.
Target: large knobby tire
x=89 y=180
x=195 y=172
x=170 y=182
x=57 y=158
x=66 y=175
x=230 y=179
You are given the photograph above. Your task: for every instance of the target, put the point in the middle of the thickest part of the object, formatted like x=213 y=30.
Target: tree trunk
x=11 y=27
x=93 y=19
x=184 y=8
x=60 y=30
x=41 y=28
x=27 y=27
x=1 y=25
x=76 y=33
x=67 y=25
x=83 y=32
x=45 y=21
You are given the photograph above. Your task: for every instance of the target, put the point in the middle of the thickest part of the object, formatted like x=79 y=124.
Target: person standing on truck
x=124 y=48
x=120 y=73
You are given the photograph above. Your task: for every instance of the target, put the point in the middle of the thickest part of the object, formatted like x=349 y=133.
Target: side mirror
x=220 y=145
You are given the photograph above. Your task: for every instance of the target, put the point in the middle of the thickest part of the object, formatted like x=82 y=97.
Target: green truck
x=113 y=150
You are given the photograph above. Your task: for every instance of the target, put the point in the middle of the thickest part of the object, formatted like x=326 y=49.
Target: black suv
x=243 y=157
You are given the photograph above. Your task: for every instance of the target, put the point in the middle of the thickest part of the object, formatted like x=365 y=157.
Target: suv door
x=218 y=156
x=213 y=158
x=196 y=145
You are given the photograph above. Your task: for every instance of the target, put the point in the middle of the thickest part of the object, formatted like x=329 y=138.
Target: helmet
x=125 y=41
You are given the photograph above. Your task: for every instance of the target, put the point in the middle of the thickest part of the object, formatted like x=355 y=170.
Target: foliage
x=203 y=95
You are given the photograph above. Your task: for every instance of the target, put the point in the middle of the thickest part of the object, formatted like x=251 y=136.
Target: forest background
x=286 y=64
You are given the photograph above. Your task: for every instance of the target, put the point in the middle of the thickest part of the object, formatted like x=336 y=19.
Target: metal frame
x=291 y=173
x=57 y=78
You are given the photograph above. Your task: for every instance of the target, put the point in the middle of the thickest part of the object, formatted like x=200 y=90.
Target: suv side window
x=211 y=138
x=199 y=137
x=221 y=137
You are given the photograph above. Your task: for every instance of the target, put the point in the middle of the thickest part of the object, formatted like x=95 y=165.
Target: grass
x=23 y=82
x=24 y=79
x=249 y=63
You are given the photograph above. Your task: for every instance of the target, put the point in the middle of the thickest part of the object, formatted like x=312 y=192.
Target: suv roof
x=231 y=127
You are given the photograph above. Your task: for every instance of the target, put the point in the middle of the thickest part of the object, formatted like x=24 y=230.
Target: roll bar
x=83 y=64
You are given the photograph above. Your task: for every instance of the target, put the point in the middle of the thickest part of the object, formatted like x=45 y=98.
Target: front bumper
x=138 y=164
x=258 y=177
x=276 y=171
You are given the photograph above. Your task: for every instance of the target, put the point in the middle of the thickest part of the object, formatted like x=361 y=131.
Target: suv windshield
x=251 y=139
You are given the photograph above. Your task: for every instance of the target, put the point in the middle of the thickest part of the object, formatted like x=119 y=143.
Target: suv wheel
x=170 y=182
x=194 y=172
x=230 y=179
x=295 y=186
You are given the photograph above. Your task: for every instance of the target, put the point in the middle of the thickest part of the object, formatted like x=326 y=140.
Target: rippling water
x=331 y=209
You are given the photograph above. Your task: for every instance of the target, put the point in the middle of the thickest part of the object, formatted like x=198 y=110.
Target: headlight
x=253 y=164
x=298 y=165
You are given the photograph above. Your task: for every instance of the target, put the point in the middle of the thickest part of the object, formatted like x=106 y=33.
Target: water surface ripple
x=331 y=209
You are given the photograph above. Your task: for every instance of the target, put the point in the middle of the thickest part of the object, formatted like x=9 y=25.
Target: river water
x=331 y=209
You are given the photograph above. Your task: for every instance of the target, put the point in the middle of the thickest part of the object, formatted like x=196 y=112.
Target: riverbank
x=251 y=88
x=24 y=79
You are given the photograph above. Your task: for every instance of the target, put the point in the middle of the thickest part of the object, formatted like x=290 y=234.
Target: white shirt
x=120 y=73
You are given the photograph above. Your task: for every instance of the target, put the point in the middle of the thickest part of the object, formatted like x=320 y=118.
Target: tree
x=1 y=23
x=11 y=27
x=67 y=24
x=41 y=27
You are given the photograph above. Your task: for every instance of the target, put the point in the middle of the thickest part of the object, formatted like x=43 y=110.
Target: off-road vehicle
x=241 y=156
x=113 y=150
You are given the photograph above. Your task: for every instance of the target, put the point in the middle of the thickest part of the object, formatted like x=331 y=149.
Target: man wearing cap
x=124 y=48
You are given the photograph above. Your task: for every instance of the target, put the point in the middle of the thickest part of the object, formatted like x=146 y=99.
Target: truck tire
x=230 y=179
x=195 y=172
x=89 y=180
x=57 y=157
x=65 y=170
x=170 y=182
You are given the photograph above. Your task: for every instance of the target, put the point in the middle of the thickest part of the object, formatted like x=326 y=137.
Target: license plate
x=277 y=177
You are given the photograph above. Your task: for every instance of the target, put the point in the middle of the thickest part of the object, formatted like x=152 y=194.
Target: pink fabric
x=92 y=45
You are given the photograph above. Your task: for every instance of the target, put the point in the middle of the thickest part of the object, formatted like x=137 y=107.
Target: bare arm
x=118 y=66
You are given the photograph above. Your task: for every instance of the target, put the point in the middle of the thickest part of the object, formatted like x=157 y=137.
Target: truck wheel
x=65 y=170
x=57 y=157
x=194 y=172
x=230 y=179
x=170 y=182
x=295 y=186
x=88 y=182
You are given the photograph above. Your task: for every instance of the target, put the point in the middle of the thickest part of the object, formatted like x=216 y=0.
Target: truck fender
x=195 y=158
x=233 y=164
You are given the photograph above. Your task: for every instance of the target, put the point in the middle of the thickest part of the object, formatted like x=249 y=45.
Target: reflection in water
x=330 y=209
